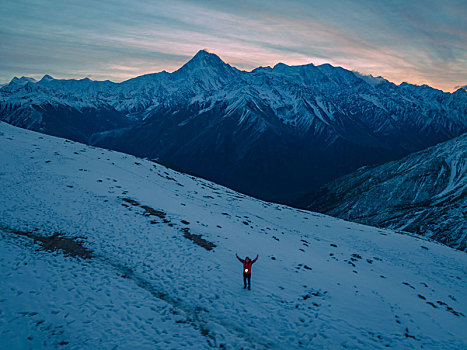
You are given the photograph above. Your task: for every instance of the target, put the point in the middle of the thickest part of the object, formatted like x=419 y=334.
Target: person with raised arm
x=247 y=263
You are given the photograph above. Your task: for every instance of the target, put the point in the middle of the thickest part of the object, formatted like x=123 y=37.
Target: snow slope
x=423 y=193
x=128 y=270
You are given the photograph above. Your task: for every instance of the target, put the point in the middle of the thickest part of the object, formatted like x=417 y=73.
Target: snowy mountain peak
x=204 y=59
x=207 y=68
x=205 y=53
x=22 y=81
x=47 y=78
x=280 y=67
x=305 y=110
x=370 y=79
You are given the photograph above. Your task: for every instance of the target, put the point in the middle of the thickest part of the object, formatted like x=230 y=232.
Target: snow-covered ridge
x=144 y=282
x=237 y=128
x=423 y=193
x=206 y=76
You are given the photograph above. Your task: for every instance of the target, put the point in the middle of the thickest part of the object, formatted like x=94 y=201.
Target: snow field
x=319 y=282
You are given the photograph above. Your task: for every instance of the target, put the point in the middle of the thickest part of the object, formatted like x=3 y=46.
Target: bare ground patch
x=148 y=211
x=197 y=239
x=57 y=241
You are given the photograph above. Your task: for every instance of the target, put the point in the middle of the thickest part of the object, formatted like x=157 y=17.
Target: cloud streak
x=422 y=42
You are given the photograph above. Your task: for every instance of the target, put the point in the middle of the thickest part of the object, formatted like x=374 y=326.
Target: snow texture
x=104 y=250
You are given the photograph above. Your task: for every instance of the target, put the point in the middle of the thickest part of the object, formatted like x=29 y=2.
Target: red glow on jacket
x=247 y=264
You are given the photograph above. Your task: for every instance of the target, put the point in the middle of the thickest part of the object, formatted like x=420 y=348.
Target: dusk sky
x=418 y=41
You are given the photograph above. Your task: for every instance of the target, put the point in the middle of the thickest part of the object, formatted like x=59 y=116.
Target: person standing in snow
x=247 y=263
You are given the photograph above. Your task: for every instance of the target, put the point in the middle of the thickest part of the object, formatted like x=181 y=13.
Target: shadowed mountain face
x=423 y=193
x=274 y=133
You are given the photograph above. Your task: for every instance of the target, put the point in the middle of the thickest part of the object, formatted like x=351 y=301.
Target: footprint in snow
x=408 y=285
x=355 y=257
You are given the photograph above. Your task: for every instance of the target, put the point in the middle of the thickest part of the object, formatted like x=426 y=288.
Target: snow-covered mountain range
x=100 y=249
x=275 y=133
x=423 y=193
